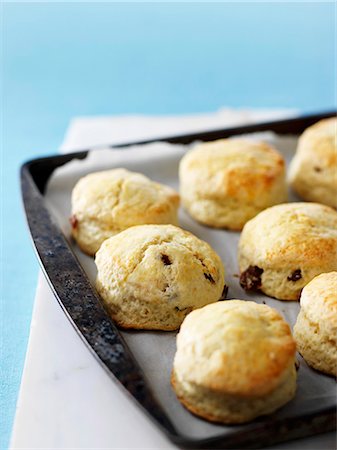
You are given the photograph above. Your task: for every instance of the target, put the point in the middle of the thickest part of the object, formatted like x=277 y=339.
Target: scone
x=235 y=361
x=227 y=182
x=286 y=246
x=315 y=330
x=105 y=203
x=152 y=276
x=313 y=170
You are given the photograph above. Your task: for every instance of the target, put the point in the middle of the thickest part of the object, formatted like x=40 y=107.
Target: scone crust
x=221 y=408
x=290 y=244
x=152 y=276
x=105 y=203
x=315 y=330
x=234 y=361
x=227 y=182
x=240 y=347
x=313 y=170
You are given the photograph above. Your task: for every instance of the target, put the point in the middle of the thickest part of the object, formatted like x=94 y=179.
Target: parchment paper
x=154 y=351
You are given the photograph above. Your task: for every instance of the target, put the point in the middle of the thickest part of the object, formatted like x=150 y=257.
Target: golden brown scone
x=315 y=330
x=235 y=361
x=105 y=203
x=152 y=276
x=286 y=246
x=313 y=170
x=227 y=182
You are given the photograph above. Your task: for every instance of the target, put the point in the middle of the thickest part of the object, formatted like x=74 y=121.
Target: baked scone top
x=238 y=347
x=319 y=302
x=239 y=168
x=300 y=232
x=320 y=141
x=132 y=265
x=121 y=198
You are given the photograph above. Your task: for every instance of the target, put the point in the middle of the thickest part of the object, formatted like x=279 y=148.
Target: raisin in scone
x=313 y=170
x=105 y=203
x=286 y=246
x=227 y=182
x=152 y=276
x=315 y=330
x=235 y=361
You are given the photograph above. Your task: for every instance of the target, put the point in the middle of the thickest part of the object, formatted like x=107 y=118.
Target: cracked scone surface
x=315 y=330
x=105 y=203
x=235 y=361
x=227 y=182
x=286 y=246
x=313 y=170
x=152 y=276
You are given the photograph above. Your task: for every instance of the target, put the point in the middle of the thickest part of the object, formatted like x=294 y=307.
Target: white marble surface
x=66 y=399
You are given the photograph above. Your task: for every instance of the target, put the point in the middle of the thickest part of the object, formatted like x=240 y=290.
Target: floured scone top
x=234 y=361
x=152 y=276
x=105 y=203
x=286 y=246
x=313 y=170
x=227 y=182
x=315 y=330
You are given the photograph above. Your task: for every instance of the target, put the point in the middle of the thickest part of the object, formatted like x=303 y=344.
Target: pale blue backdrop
x=63 y=60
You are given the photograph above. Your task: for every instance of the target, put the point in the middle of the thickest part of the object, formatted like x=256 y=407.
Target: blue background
x=62 y=60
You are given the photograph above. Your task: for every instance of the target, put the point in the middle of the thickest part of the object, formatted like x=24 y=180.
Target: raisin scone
x=152 y=276
x=313 y=170
x=315 y=330
x=105 y=203
x=286 y=246
x=235 y=361
x=227 y=182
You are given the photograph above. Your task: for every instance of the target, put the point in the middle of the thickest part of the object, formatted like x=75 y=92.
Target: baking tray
x=122 y=354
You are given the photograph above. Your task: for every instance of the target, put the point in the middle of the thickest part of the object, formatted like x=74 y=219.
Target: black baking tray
x=83 y=307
